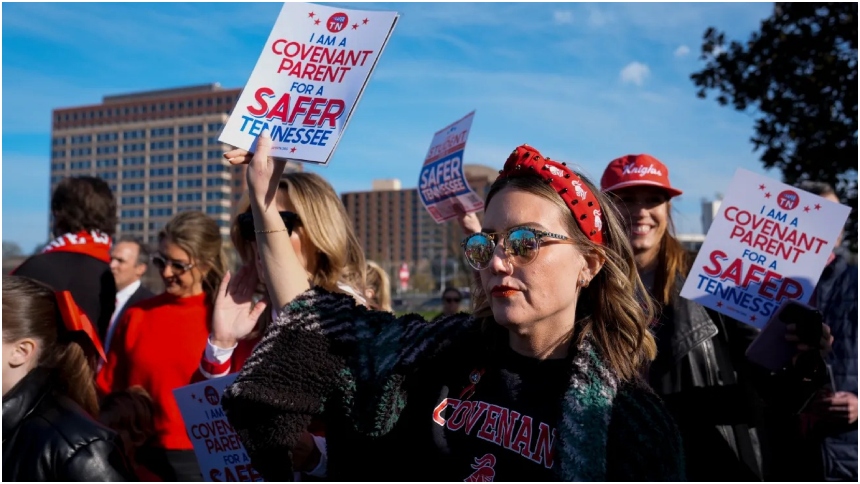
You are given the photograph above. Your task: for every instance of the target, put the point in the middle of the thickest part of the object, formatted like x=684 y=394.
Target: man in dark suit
x=128 y=262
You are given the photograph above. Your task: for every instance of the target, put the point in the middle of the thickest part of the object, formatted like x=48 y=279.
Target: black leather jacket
x=700 y=388
x=47 y=437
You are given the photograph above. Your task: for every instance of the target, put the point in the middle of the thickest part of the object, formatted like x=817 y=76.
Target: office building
x=158 y=150
x=393 y=226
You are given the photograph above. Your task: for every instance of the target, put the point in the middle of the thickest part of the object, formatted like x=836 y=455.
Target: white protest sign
x=308 y=80
x=219 y=452
x=442 y=184
x=769 y=243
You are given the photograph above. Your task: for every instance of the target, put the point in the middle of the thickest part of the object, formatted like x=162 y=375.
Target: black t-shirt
x=502 y=428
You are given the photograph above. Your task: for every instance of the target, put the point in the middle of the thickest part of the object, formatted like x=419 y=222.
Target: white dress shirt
x=122 y=297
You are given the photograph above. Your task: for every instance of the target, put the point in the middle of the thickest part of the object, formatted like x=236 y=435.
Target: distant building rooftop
x=176 y=91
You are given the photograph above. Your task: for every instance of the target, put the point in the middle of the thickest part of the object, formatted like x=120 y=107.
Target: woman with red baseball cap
x=700 y=370
x=689 y=361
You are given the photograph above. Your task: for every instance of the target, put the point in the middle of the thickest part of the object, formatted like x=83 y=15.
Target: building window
x=134 y=174
x=161 y=158
x=168 y=171
x=191 y=128
x=133 y=160
x=190 y=170
x=213 y=154
x=190 y=143
x=216 y=196
x=107 y=137
x=156 y=132
x=59 y=141
x=217 y=182
x=189 y=197
x=161 y=145
x=105 y=150
x=132 y=213
x=106 y=163
x=189 y=183
x=160 y=212
x=219 y=168
x=160 y=185
x=134 y=200
x=135 y=134
x=108 y=175
x=58 y=154
x=131 y=148
x=192 y=156
x=81 y=139
x=80 y=151
x=162 y=198
x=80 y=165
x=58 y=166
x=214 y=127
x=132 y=187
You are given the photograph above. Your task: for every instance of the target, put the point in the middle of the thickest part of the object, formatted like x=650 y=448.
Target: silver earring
x=582 y=283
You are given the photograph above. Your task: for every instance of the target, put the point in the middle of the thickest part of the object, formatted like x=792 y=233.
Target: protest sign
x=769 y=243
x=219 y=452
x=442 y=184
x=309 y=79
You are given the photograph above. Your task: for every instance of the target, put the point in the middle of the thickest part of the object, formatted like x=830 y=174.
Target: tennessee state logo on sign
x=337 y=22
x=788 y=200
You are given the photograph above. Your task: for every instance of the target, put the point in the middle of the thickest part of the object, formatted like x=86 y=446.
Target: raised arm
x=284 y=275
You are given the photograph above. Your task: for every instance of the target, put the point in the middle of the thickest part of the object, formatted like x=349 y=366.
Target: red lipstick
x=503 y=291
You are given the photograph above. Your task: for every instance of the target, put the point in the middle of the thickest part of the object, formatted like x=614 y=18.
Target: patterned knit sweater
x=326 y=357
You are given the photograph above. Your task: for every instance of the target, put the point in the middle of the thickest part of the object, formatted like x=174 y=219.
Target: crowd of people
x=577 y=359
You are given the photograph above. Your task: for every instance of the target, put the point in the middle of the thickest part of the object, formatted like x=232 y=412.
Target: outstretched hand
x=235 y=315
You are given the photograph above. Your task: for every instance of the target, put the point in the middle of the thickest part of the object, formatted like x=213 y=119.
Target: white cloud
x=562 y=17
x=682 y=51
x=635 y=73
x=596 y=18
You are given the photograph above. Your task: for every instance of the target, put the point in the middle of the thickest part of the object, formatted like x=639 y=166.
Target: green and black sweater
x=405 y=400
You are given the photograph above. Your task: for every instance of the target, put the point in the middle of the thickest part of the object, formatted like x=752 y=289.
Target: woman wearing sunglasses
x=158 y=343
x=541 y=383
x=700 y=371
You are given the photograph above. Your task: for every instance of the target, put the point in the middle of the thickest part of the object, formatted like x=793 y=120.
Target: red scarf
x=94 y=244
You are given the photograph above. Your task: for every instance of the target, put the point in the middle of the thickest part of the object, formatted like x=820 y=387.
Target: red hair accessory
x=76 y=320
x=526 y=160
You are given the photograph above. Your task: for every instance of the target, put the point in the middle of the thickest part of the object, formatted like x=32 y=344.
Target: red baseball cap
x=637 y=170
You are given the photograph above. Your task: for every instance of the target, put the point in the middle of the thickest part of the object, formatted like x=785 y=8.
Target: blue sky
x=584 y=83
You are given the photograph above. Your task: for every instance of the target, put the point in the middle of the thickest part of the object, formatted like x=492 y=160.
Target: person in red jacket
x=158 y=342
x=331 y=255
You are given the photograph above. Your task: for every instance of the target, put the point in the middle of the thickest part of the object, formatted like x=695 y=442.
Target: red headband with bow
x=76 y=320
x=526 y=160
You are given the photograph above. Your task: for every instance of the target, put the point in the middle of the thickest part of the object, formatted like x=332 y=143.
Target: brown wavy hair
x=130 y=413
x=30 y=310
x=607 y=309
x=83 y=203
x=199 y=236
x=673 y=261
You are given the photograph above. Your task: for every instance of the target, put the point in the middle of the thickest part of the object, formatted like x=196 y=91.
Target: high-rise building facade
x=393 y=227
x=159 y=152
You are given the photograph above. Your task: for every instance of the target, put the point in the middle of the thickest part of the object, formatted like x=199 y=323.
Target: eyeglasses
x=246 y=223
x=160 y=262
x=451 y=299
x=520 y=243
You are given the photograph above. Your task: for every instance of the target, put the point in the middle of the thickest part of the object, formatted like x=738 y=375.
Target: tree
x=11 y=249
x=800 y=73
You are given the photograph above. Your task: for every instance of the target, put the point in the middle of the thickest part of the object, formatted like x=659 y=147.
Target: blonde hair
x=326 y=225
x=200 y=237
x=607 y=309
x=380 y=284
